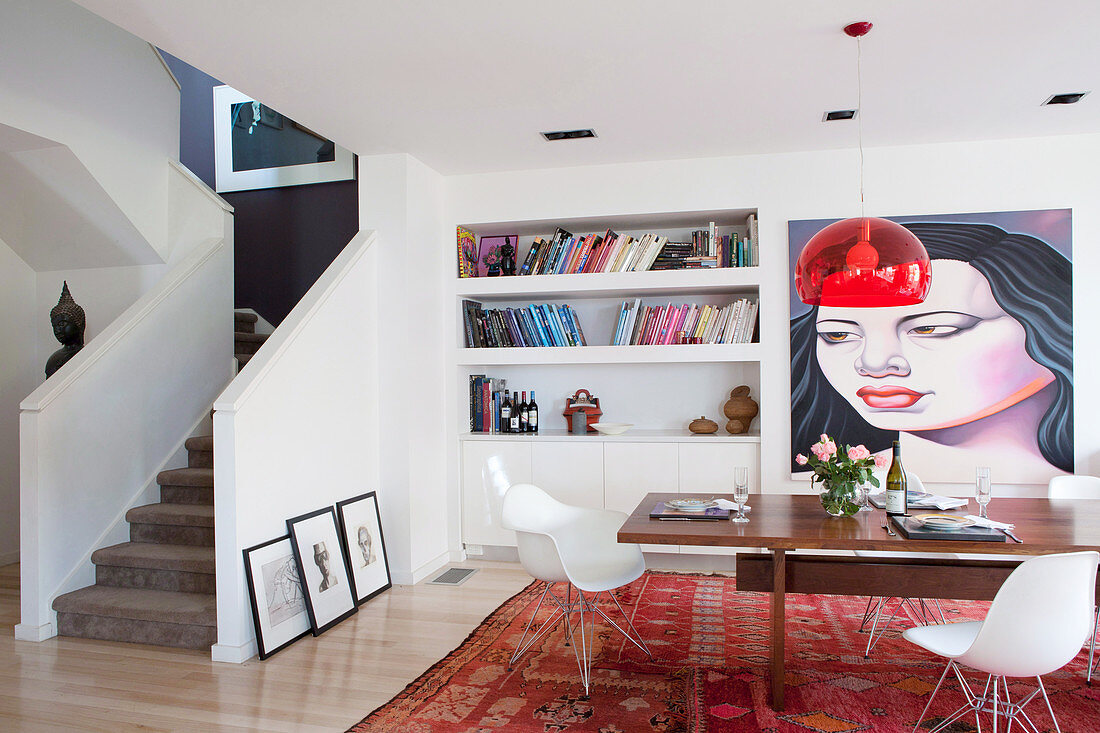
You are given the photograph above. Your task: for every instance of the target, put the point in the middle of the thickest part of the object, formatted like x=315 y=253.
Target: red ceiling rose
x=863 y=263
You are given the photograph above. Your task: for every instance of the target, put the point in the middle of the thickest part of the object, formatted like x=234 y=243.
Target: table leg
x=779 y=578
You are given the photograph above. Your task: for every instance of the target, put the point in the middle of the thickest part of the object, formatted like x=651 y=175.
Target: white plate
x=612 y=428
x=943 y=521
x=691 y=505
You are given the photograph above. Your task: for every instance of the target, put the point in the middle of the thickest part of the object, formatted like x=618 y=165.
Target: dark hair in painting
x=1030 y=280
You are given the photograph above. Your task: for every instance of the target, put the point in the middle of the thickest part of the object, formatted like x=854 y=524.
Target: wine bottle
x=513 y=425
x=532 y=415
x=524 y=414
x=505 y=413
x=897 y=491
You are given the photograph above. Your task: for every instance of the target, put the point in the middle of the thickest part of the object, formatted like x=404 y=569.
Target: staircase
x=158 y=588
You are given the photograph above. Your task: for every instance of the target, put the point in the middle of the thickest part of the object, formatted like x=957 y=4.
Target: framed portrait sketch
x=361 y=531
x=278 y=603
x=256 y=147
x=323 y=569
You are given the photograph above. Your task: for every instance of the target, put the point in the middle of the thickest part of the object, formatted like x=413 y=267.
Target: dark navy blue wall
x=284 y=238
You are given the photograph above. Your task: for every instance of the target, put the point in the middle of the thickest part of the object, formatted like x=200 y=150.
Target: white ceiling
x=465 y=86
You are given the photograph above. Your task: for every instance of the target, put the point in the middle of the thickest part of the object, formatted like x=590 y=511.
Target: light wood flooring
x=327 y=683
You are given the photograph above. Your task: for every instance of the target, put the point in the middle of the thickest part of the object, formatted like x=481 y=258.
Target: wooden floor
x=326 y=683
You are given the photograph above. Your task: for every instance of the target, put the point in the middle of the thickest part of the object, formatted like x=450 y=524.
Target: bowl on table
x=943 y=521
x=612 y=428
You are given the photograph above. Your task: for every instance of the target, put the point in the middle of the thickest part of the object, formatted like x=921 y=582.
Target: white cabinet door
x=489 y=468
x=571 y=472
x=707 y=469
x=632 y=470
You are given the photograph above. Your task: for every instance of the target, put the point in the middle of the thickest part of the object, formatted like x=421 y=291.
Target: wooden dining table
x=779 y=523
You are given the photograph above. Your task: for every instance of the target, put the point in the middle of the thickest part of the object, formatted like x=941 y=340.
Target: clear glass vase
x=840 y=499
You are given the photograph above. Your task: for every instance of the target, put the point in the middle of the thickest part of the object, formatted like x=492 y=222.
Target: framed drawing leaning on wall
x=323 y=568
x=275 y=589
x=361 y=532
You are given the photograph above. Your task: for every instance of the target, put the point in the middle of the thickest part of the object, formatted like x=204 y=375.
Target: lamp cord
x=859 y=120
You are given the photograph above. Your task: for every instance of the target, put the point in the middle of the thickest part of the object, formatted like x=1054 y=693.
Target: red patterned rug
x=710 y=646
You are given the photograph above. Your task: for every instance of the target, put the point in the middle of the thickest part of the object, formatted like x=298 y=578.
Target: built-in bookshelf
x=659 y=388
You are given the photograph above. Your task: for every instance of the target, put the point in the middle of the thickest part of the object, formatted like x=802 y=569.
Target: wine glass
x=740 y=492
x=982 y=490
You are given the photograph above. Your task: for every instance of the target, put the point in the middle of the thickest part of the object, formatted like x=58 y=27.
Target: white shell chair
x=1036 y=624
x=877 y=612
x=559 y=543
x=1079 y=487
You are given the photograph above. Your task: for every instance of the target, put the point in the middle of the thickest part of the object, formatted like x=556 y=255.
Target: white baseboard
x=234 y=654
x=26 y=632
x=9 y=558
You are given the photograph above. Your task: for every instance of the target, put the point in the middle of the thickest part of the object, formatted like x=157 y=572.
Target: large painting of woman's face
x=979 y=373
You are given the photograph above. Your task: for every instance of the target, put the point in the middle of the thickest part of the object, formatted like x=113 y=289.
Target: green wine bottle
x=897 y=491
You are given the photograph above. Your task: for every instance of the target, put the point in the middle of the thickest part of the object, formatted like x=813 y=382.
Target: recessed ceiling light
x=1071 y=98
x=839 y=114
x=568 y=134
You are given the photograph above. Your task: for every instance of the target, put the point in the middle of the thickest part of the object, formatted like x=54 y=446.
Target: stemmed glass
x=982 y=490
x=740 y=492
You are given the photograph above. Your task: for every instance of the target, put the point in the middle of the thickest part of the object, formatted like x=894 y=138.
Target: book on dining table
x=663 y=511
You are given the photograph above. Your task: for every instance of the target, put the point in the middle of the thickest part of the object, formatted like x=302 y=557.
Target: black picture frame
x=278 y=574
x=315 y=538
x=355 y=517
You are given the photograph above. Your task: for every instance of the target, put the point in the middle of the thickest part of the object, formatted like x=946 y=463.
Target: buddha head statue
x=67 y=319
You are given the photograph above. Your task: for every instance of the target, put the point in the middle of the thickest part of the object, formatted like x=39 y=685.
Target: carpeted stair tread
x=190 y=515
x=243 y=359
x=245 y=317
x=200 y=442
x=252 y=338
x=186 y=477
x=198 y=609
x=156 y=556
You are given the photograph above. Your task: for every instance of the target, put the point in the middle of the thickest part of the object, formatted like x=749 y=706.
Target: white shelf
x=667 y=354
x=719 y=280
x=630 y=436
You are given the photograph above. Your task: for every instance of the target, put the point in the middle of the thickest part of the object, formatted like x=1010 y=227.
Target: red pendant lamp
x=864 y=262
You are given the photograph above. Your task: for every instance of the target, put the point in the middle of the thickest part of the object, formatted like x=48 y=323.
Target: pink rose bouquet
x=840 y=473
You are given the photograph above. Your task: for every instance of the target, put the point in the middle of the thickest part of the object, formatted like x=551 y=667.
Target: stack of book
x=535 y=325
x=685 y=324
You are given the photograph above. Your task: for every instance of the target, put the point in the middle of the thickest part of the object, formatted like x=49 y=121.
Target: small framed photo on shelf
x=361 y=531
x=323 y=568
x=275 y=589
x=497 y=256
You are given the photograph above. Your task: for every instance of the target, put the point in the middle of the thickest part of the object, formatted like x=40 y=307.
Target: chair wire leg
x=1050 y=709
x=1092 y=647
x=586 y=651
x=996 y=692
x=930 y=699
x=520 y=648
x=875 y=638
x=636 y=639
x=568 y=603
x=867 y=613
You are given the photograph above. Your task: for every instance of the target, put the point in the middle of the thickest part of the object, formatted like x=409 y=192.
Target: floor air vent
x=454 y=576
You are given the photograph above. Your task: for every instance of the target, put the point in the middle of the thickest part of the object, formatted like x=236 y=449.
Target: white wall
x=1052 y=172
x=72 y=77
x=18 y=362
x=402 y=200
x=292 y=433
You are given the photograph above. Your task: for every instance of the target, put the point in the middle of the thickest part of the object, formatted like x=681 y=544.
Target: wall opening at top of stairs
x=284 y=238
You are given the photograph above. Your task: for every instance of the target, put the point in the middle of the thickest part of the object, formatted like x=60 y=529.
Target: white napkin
x=727 y=504
x=990 y=523
x=940 y=502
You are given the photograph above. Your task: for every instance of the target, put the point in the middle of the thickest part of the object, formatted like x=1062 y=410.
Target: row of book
x=685 y=324
x=536 y=325
x=565 y=253
x=491 y=410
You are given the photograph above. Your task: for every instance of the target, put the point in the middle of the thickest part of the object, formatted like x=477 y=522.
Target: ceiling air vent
x=568 y=134
x=839 y=114
x=1072 y=98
